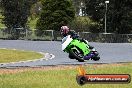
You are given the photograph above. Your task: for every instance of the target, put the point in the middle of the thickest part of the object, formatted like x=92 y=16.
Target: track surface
x=109 y=52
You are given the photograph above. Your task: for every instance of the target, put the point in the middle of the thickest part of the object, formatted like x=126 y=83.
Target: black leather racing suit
x=76 y=36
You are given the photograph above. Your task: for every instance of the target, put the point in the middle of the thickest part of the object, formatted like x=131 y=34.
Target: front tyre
x=71 y=56
x=96 y=57
x=77 y=53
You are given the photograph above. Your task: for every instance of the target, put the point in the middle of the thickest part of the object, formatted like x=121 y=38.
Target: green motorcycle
x=79 y=50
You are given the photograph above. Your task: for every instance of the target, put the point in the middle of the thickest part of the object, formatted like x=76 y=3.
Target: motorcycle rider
x=65 y=30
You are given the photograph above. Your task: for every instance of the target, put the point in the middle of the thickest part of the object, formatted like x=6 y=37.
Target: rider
x=65 y=30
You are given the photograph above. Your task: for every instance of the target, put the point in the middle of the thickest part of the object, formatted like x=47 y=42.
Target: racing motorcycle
x=79 y=50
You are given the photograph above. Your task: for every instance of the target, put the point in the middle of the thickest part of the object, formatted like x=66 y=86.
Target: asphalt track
x=109 y=52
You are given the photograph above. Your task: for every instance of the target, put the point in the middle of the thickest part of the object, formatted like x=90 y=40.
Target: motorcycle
x=79 y=50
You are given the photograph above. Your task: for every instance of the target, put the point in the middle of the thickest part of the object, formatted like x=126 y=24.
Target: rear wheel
x=96 y=58
x=77 y=53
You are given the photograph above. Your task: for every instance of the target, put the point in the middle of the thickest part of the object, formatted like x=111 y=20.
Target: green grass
x=17 y=55
x=62 y=78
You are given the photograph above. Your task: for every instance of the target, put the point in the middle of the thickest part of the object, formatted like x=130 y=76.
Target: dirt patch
x=44 y=68
x=60 y=67
x=11 y=71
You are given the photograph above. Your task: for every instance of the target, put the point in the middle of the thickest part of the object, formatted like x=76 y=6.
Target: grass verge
x=7 y=55
x=59 y=76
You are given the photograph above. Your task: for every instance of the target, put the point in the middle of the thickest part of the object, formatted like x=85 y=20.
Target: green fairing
x=81 y=45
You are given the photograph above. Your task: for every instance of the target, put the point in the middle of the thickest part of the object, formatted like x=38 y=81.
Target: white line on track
x=50 y=56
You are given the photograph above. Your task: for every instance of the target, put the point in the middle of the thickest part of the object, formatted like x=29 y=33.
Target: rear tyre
x=77 y=53
x=96 y=58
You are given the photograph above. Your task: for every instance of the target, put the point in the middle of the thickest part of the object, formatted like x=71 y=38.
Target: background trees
x=15 y=15
x=119 y=14
x=54 y=14
x=16 y=12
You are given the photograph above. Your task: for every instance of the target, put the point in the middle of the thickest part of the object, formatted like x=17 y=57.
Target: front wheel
x=77 y=53
x=71 y=56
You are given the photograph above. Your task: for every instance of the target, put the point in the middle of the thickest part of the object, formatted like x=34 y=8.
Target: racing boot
x=88 y=56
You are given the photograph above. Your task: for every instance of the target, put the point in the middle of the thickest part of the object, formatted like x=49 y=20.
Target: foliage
x=54 y=14
x=16 y=12
x=95 y=27
x=82 y=23
x=1 y=17
x=77 y=5
x=32 y=23
x=119 y=14
x=16 y=15
x=35 y=10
